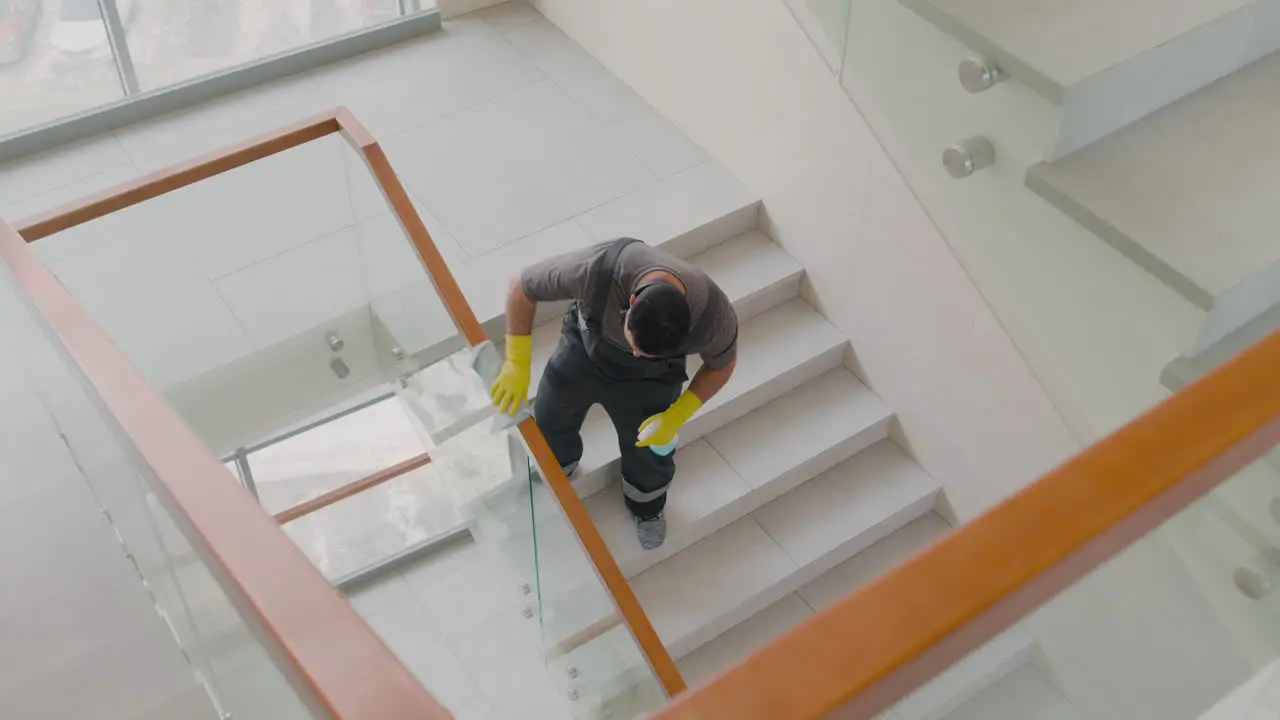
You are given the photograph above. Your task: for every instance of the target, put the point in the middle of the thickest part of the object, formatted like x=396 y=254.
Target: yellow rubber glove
x=512 y=386
x=669 y=421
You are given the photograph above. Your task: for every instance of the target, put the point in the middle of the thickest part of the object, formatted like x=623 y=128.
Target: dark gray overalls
x=587 y=369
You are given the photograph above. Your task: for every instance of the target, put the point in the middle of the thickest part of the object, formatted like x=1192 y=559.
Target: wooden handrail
x=624 y=598
x=176 y=177
x=446 y=286
x=337 y=494
x=339 y=667
x=875 y=646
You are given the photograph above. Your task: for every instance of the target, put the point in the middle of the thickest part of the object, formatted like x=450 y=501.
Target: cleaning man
x=636 y=313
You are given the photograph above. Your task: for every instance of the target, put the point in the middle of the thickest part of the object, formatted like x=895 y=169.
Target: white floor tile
x=253 y=213
x=40 y=174
x=438 y=75
x=19 y=207
x=297 y=290
x=509 y=15
x=857 y=502
x=657 y=142
x=710 y=579
x=389 y=259
x=601 y=93
x=471 y=594
x=515 y=166
x=185 y=134
x=386 y=591
x=627 y=117
x=503 y=657
x=410 y=632
x=675 y=206
x=744 y=639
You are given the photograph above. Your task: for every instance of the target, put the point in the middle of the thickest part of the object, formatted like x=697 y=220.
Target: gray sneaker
x=652 y=531
x=569 y=470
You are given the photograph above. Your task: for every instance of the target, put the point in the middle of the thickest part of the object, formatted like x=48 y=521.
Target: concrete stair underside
x=1189 y=192
x=1107 y=63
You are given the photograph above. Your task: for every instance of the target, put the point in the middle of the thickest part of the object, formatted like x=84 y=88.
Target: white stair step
x=976 y=672
x=771 y=623
x=750 y=462
x=708 y=588
x=1187 y=193
x=777 y=351
x=1110 y=62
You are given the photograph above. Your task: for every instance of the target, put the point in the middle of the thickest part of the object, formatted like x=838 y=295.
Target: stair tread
x=1185 y=192
x=710 y=491
x=799 y=425
x=1046 y=37
x=860 y=493
x=769 y=346
x=841 y=511
x=768 y=624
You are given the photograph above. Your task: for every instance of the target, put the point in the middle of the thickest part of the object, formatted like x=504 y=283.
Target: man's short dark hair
x=659 y=319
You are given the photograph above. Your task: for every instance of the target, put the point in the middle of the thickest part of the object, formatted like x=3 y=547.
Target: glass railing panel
x=223 y=654
x=54 y=61
x=59 y=58
x=284 y=310
x=901 y=66
x=1142 y=635
x=183 y=40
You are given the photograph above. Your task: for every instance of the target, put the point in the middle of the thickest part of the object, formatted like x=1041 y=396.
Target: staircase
x=789 y=490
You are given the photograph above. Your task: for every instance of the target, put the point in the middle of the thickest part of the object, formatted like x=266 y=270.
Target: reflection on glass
x=181 y=40
x=230 y=671
x=54 y=61
x=334 y=454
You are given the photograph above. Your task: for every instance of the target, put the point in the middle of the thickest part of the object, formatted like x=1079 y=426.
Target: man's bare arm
x=707 y=382
x=520 y=310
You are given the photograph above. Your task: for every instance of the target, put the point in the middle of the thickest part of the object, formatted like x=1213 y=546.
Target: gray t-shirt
x=572 y=276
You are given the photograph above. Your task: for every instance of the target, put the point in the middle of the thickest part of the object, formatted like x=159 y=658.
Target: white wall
x=741 y=78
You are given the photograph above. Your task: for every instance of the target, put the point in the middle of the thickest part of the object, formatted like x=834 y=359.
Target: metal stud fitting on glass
x=979 y=72
x=334 y=342
x=525 y=589
x=528 y=613
x=573 y=673
x=968 y=156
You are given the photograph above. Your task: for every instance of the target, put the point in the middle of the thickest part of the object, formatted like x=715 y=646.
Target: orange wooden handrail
x=339 y=667
x=324 y=500
x=341 y=120
x=875 y=646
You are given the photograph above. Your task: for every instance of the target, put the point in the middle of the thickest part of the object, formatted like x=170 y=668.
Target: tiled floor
x=456 y=620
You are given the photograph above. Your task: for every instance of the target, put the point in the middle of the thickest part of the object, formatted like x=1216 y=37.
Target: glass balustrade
x=1096 y=328
x=63 y=57
x=286 y=314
